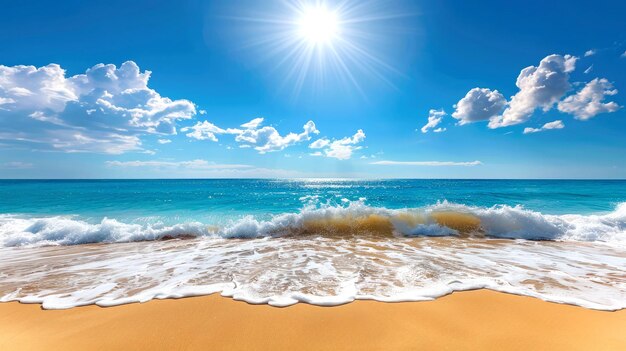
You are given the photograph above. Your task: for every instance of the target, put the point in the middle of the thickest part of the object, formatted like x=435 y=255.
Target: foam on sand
x=319 y=270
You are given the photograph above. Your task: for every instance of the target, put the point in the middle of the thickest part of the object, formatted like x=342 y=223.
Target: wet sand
x=474 y=320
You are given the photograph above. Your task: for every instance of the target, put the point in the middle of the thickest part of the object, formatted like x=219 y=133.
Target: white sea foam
x=317 y=270
x=354 y=218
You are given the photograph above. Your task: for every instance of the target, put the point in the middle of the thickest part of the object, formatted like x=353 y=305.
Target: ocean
x=67 y=243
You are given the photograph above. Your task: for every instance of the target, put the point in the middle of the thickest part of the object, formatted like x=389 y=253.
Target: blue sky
x=344 y=89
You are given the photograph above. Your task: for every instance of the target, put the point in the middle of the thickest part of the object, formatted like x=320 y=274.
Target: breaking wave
x=354 y=219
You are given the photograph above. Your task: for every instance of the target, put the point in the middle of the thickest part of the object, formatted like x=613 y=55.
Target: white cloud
x=253 y=124
x=588 y=102
x=164 y=141
x=479 y=104
x=548 y=126
x=539 y=87
x=204 y=130
x=545 y=87
x=427 y=163
x=267 y=139
x=439 y=130
x=434 y=118
x=263 y=139
x=319 y=143
x=28 y=88
x=193 y=164
x=590 y=52
x=623 y=55
x=105 y=110
x=340 y=149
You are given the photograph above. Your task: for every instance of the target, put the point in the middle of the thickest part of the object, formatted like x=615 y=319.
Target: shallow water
x=70 y=243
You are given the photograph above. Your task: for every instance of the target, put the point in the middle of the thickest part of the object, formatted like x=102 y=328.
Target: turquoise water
x=324 y=242
x=214 y=201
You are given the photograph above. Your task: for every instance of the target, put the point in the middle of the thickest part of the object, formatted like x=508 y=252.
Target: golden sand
x=475 y=320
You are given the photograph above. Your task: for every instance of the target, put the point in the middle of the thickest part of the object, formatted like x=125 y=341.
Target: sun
x=318 y=25
x=321 y=43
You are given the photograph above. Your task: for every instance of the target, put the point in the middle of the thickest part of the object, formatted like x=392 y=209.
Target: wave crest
x=354 y=219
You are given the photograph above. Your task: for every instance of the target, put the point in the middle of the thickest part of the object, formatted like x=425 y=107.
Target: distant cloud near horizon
x=16 y=165
x=193 y=164
x=105 y=110
x=202 y=168
x=427 y=163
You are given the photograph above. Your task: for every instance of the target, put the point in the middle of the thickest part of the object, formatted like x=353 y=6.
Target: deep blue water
x=213 y=201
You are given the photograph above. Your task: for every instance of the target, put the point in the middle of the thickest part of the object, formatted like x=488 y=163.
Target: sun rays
x=315 y=43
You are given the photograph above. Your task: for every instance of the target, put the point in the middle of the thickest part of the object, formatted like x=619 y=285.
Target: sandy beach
x=474 y=320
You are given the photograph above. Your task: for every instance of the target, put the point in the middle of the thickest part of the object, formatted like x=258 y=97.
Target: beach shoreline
x=478 y=319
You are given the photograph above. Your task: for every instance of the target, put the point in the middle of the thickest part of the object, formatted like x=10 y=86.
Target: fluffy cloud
x=539 y=87
x=589 y=101
x=340 y=149
x=27 y=88
x=105 y=110
x=434 y=118
x=427 y=163
x=548 y=126
x=542 y=87
x=204 y=130
x=267 y=139
x=479 y=104
x=252 y=134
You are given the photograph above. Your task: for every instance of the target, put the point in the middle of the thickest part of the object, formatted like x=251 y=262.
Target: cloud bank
x=193 y=164
x=202 y=168
x=104 y=110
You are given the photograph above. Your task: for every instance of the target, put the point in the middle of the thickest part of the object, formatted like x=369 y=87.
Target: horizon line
x=311 y=178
